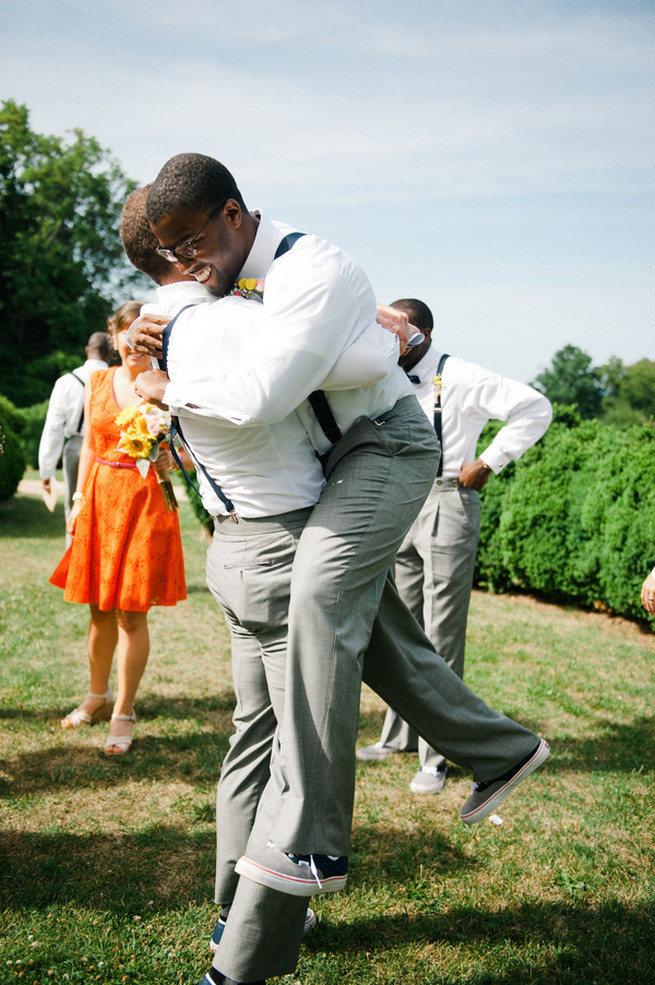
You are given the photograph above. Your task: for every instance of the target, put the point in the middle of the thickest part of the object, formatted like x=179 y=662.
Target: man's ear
x=232 y=213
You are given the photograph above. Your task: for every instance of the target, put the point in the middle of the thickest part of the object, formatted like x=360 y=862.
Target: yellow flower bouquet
x=144 y=429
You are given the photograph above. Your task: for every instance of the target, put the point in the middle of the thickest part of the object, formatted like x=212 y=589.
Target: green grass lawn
x=107 y=865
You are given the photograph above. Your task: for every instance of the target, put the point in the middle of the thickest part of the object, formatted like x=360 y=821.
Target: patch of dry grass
x=107 y=866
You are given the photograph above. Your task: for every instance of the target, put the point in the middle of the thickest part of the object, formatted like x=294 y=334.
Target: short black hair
x=139 y=241
x=194 y=182
x=100 y=342
x=417 y=311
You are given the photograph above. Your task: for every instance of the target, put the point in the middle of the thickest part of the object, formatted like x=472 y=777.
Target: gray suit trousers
x=344 y=607
x=434 y=575
x=70 y=461
x=346 y=619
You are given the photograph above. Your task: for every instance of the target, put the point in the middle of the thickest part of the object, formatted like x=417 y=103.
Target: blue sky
x=492 y=157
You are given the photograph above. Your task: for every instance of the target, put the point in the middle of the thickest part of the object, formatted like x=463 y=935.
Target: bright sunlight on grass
x=107 y=865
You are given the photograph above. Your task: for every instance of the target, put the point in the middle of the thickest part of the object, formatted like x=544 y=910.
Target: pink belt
x=116 y=465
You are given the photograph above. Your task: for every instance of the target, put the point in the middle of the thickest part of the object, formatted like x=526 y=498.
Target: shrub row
x=574 y=518
x=20 y=432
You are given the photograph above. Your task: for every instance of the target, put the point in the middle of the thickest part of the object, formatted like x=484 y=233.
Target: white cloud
x=450 y=136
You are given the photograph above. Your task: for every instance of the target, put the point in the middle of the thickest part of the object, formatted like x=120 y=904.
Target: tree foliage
x=616 y=393
x=572 y=380
x=628 y=391
x=63 y=267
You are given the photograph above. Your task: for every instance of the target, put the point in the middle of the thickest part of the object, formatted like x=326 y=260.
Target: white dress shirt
x=471 y=396
x=65 y=415
x=317 y=302
x=271 y=468
x=263 y=470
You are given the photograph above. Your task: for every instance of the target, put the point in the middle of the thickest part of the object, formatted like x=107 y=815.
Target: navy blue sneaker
x=296 y=875
x=214 y=977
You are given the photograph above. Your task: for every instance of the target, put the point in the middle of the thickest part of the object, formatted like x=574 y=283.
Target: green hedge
x=26 y=424
x=33 y=421
x=574 y=518
x=12 y=458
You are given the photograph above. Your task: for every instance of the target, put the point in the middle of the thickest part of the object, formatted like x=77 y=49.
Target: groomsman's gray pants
x=434 y=575
x=347 y=620
x=343 y=609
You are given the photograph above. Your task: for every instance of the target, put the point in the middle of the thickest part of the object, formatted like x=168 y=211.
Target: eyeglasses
x=186 y=250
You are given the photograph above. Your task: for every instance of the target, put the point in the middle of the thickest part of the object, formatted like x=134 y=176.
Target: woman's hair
x=123 y=318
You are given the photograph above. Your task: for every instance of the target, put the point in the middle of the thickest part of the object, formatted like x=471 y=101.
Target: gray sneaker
x=378 y=751
x=429 y=779
x=487 y=796
x=297 y=875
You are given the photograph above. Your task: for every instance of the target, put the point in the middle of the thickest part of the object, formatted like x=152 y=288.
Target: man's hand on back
x=144 y=334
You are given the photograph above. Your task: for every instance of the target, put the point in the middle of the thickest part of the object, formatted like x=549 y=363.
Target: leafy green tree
x=628 y=392
x=63 y=268
x=572 y=380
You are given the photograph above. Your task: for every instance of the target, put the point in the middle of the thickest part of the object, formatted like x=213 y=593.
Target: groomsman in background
x=64 y=423
x=436 y=561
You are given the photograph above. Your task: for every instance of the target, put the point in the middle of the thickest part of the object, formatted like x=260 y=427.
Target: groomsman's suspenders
x=317 y=399
x=437 y=408
x=176 y=429
x=80 y=422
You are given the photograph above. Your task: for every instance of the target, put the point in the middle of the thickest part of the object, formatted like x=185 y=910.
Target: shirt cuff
x=496 y=460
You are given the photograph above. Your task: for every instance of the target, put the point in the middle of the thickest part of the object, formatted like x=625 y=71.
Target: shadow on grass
x=191 y=757
x=150 y=707
x=168 y=868
x=621 y=748
x=567 y=943
x=27 y=517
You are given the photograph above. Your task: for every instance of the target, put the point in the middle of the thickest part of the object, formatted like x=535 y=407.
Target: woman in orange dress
x=126 y=553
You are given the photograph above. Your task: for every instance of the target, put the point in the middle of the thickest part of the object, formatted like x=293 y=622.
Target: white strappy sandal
x=122 y=742
x=79 y=717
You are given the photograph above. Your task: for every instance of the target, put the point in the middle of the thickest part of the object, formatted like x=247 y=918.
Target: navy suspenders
x=437 y=409
x=176 y=429
x=317 y=399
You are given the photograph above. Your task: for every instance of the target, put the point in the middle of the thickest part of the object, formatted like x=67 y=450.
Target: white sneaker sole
x=486 y=807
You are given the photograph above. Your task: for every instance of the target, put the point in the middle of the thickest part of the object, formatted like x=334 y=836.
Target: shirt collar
x=184 y=289
x=262 y=253
x=426 y=366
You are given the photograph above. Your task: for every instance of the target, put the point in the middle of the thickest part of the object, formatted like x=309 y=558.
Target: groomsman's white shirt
x=471 y=396
x=317 y=302
x=64 y=415
x=271 y=468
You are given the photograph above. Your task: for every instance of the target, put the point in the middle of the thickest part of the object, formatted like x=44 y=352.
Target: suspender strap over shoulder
x=176 y=429
x=285 y=244
x=80 y=421
x=317 y=399
x=437 y=408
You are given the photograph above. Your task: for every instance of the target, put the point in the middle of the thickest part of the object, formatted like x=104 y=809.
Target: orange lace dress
x=127 y=549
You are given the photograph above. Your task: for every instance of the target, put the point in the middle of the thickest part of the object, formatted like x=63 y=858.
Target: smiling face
x=134 y=362
x=221 y=243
